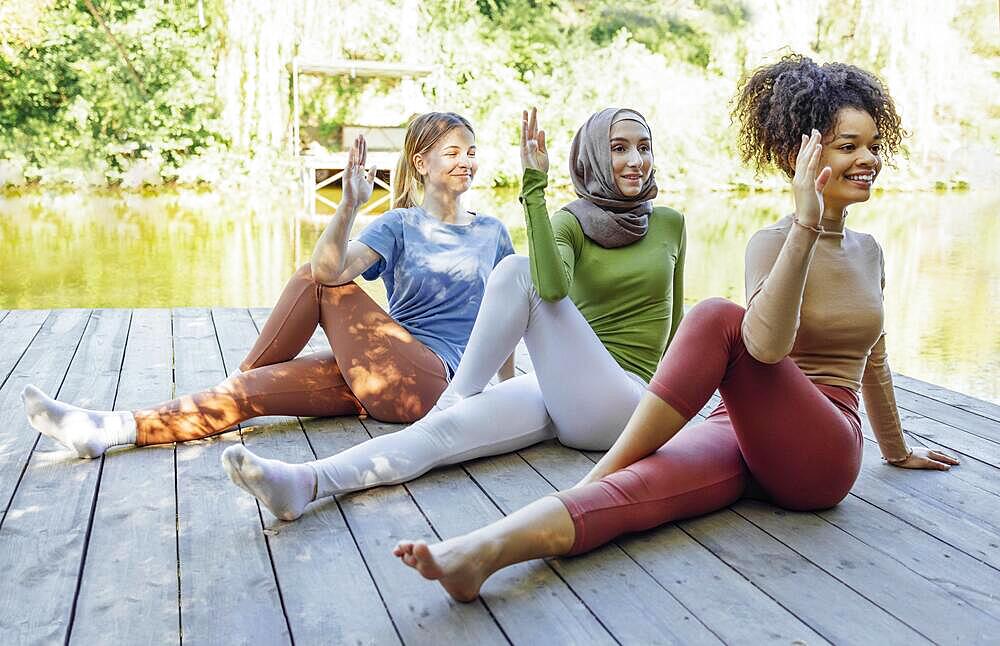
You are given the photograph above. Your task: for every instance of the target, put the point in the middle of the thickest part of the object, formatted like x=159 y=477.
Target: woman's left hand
x=924 y=458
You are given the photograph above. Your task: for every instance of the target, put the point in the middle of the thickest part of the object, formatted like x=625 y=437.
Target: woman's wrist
x=806 y=224
x=899 y=460
x=533 y=185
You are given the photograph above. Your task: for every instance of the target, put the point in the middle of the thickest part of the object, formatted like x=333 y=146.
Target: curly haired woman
x=789 y=367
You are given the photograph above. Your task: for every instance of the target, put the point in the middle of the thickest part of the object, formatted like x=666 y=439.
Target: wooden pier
x=157 y=546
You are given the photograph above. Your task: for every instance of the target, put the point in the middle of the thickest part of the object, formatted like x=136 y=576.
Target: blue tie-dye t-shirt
x=435 y=273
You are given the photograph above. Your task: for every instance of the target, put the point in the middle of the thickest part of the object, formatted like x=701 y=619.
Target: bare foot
x=457 y=567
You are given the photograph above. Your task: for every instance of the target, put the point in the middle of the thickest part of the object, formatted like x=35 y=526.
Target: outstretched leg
x=310 y=385
x=462 y=564
x=504 y=418
x=401 y=380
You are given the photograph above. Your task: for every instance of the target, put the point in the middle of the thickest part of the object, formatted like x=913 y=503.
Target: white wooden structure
x=310 y=164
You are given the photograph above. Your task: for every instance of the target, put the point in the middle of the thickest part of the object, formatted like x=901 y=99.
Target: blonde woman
x=434 y=257
x=596 y=302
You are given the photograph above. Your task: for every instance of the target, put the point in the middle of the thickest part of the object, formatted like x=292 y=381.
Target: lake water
x=205 y=249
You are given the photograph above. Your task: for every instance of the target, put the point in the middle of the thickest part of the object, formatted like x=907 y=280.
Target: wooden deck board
x=315 y=559
x=44 y=364
x=90 y=548
x=228 y=589
x=136 y=507
x=45 y=530
x=921 y=604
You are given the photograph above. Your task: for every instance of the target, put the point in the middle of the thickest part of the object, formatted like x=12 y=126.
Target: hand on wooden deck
x=924 y=458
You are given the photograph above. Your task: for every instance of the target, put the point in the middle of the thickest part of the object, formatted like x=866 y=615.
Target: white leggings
x=578 y=393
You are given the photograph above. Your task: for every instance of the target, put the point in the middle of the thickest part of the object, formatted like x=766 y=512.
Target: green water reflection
x=202 y=249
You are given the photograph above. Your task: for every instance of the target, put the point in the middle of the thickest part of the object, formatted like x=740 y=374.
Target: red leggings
x=375 y=366
x=800 y=441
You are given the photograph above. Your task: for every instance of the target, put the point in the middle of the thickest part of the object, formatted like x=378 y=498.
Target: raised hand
x=357 y=182
x=533 y=152
x=922 y=458
x=807 y=185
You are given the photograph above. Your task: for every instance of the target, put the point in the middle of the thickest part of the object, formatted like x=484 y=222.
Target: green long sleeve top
x=632 y=296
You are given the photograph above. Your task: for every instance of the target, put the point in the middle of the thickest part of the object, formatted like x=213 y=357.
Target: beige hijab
x=606 y=216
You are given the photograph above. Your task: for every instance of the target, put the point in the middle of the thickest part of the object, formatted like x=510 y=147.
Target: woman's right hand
x=533 y=152
x=807 y=185
x=357 y=182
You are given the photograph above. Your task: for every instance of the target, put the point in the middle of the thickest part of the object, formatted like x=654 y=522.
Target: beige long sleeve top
x=817 y=298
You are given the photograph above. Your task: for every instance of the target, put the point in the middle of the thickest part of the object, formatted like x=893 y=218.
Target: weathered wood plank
x=634 y=606
x=831 y=608
x=44 y=364
x=531 y=603
x=933 y=559
x=317 y=552
x=904 y=494
x=228 y=589
x=908 y=596
x=945 y=413
x=17 y=330
x=951 y=487
x=379 y=518
x=131 y=566
x=952 y=438
x=921 y=431
x=972 y=470
x=952 y=398
x=44 y=532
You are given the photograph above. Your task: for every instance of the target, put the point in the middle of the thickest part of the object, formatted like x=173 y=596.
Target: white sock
x=284 y=488
x=90 y=433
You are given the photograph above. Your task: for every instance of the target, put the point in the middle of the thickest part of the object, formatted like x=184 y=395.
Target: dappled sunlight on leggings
x=375 y=366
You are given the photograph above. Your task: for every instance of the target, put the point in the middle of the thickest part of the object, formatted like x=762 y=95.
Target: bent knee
x=718 y=307
x=511 y=269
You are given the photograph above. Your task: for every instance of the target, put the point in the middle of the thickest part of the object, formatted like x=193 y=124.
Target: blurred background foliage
x=135 y=92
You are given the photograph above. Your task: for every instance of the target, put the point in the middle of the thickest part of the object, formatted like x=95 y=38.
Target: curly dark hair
x=779 y=103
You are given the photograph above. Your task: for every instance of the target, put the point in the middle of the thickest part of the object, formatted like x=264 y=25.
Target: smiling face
x=450 y=164
x=631 y=156
x=852 y=149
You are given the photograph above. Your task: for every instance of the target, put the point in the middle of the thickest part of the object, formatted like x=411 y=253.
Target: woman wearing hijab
x=596 y=301
x=789 y=367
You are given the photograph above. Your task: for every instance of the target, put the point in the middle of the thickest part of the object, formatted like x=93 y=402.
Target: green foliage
x=213 y=97
x=673 y=37
x=72 y=99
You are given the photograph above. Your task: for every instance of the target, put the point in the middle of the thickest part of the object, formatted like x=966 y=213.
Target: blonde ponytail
x=405 y=187
x=422 y=133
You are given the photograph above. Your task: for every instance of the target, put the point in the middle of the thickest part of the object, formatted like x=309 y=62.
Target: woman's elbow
x=326 y=275
x=552 y=294
x=768 y=354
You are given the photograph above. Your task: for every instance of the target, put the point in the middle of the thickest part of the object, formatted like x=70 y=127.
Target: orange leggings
x=376 y=366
